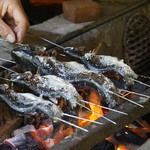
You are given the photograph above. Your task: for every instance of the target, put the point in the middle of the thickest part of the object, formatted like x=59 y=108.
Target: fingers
x=6 y=32
x=21 y=22
x=20 y=30
x=14 y=27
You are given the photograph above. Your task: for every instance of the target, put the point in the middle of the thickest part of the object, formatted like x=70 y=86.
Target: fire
x=46 y=129
x=93 y=98
x=121 y=147
x=141 y=131
x=46 y=2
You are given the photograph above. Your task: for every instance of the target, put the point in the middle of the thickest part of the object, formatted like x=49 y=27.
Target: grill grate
x=137 y=43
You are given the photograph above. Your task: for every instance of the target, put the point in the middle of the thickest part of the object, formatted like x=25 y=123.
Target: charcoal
x=146 y=118
x=104 y=145
x=24 y=142
x=127 y=136
x=5 y=147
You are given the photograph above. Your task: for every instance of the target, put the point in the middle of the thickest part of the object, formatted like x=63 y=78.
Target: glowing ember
x=93 y=98
x=141 y=131
x=121 y=147
x=45 y=130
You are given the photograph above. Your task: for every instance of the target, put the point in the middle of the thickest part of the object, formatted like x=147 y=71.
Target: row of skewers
x=47 y=79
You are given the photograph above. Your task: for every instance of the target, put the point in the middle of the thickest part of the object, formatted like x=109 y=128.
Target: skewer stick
x=8 y=69
x=64 y=114
x=52 y=43
x=141 y=83
x=96 y=113
x=126 y=99
x=134 y=93
x=20 y=44
x=142 y=76
x=71 y=124
x=105 y=107
x=7 y=60
x=5 y=79
x=7 y=47
x=62 y=55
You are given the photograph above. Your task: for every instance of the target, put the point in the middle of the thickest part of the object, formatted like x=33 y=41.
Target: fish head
x=24 y=56
x=74 y=53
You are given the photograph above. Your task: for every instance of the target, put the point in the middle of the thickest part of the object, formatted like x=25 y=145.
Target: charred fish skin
x=48 y=86
x=102 y=63
x=26 y=55
x=28 y=104
x=72 y=72
x=75 y=73
x=98 y=83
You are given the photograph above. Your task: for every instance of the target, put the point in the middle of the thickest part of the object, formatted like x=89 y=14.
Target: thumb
x=6 y=32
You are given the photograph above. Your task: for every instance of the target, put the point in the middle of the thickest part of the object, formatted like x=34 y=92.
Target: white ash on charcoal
x=28 y=137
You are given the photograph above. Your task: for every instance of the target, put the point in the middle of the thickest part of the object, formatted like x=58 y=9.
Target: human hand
x=13 y=21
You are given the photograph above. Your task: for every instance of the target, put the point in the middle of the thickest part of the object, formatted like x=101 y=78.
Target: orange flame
x=121 y=147
x=65 y=130
x=141 y=131
x=93 y=98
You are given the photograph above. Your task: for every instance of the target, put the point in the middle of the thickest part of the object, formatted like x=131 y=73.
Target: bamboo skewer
x=3 y=59
x=141 y=83
x=134 y=93
x=71 y=124
x=126 y=99
x=64 y=114
x=105 y=107
x=8 y=69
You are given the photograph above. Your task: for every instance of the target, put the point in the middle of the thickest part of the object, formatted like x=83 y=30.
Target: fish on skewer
x=23 y=80
x=49 y=86
x=103 y=64
x=72 y=72
x=30 y=104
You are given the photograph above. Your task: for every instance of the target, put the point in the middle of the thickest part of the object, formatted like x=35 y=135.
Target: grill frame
x=97 y=133
x=137 y=43
x=82 y=140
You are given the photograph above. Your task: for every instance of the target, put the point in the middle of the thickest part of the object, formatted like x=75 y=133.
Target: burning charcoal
x=104 y=145
x=23 y=142
x=24 y=129
x=5 y=147
x=146 y=118
x=126 y=136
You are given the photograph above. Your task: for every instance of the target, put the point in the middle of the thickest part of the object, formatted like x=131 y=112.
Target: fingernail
x=10 y=38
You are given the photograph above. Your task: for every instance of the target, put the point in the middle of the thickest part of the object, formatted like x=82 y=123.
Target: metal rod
x=20 y=44
x=52 y=43
x=126 y=99
x=141 y=83
x=105 y=107
x=134 y=93
x=5 y=79
x=64 y=114
x=7 y=60
x=146 y=77
x=62 y=55
x=96 y=113
x=8 y=69
x=71 y=124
